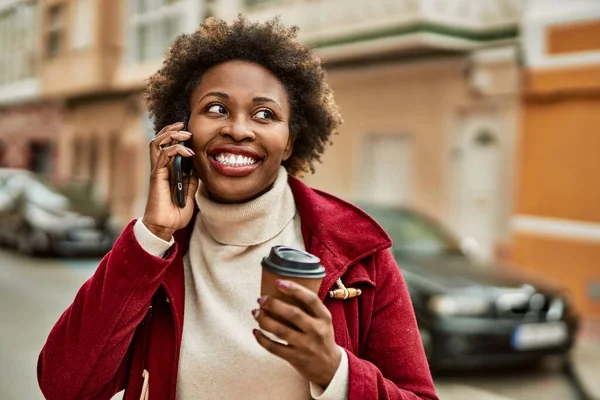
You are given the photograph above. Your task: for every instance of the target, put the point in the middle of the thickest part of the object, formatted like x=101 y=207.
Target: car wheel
x=33 y=242
x=7 y=240
x=24 y=245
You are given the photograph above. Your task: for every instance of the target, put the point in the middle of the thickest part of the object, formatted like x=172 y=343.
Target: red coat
x=128 y=317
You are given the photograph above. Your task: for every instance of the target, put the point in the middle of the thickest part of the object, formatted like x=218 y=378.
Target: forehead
x=242 y=79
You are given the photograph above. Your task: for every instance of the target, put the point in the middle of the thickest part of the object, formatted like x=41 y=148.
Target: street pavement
x=586 y=360
x=34 y=292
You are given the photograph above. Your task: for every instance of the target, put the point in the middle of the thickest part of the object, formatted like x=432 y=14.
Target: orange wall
x=560 y=159
x=558 y=82
x=559 y=168
x=575 y=264
x=574 y=37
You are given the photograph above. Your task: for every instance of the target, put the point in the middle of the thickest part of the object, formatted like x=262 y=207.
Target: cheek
x=283 y=143
x=201 y=136
x=289 y=147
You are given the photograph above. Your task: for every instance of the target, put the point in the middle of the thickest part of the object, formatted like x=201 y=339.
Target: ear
x=289 y=147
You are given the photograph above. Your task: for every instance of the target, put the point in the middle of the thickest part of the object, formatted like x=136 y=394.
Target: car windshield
x=413 y=233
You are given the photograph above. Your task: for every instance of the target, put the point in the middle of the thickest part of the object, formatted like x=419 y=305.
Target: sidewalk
x=461 y=392
x=585 y=359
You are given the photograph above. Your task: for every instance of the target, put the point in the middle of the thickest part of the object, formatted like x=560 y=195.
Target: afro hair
x=314 y=114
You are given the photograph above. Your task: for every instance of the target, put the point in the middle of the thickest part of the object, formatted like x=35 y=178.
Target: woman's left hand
x=311 y=348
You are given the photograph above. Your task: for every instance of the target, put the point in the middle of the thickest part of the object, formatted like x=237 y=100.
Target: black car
x=472 y=315
x=38 y=219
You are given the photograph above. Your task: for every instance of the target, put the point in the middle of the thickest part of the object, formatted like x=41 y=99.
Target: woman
x=171 y=312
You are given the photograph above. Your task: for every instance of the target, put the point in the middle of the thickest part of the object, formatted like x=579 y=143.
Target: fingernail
x=186 y=133
x=178 y=123
x=283 y=284
x=255 y=313
x=191 y=152
x=255 y=332
x=261 y=300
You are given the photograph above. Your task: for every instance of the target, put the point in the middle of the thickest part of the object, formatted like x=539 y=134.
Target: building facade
x=28 y=124
x=556 y=227
x=429 y=92
x=428 y=89
x=97 y=55
x=482 y=114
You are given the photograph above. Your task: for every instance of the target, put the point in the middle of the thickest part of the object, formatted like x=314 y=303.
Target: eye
x=217 y=109
x=264 y=114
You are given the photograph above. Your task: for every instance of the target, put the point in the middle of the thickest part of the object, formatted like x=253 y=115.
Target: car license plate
x=539 y=336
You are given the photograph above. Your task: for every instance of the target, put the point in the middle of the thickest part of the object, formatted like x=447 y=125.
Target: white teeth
x=236 y=160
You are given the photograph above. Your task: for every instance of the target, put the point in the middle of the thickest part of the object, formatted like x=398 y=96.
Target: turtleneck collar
x=250 y=223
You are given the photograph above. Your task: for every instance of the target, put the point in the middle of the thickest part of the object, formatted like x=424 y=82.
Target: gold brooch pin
x=343 y=292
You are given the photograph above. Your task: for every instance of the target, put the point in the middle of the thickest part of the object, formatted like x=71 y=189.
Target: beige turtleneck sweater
x=220 y=357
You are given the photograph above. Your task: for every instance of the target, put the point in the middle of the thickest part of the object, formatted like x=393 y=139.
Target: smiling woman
x=239 y=118
x=172 y=309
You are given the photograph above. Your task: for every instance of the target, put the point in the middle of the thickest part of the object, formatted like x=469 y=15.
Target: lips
x=235 y=151
x=236 y=161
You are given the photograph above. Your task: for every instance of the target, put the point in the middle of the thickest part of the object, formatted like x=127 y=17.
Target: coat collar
x=344 y=229
x=337 y=232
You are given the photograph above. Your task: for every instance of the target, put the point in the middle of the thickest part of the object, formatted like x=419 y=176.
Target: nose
x=238 y=130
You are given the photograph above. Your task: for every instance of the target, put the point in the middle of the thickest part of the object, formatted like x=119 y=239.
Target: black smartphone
x=182 y=166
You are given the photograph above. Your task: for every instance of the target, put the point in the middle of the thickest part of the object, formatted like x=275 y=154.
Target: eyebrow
x=220 y=95
x=265 y=100
x=225 y=96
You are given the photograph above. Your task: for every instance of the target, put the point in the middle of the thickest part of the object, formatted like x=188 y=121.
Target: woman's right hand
x=163 y=216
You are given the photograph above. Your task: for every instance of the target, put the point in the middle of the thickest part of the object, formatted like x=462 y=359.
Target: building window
x=83 y=29
x=387 y=168
x=153 y=26
x=40 y=157
x=7 y=38
x=17 y=41
x=54 y=36
x=3 y=151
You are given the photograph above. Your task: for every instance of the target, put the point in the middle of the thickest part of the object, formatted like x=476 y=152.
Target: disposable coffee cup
x=290 y=264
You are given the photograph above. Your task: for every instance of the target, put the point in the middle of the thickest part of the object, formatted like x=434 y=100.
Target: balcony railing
x=334 y=22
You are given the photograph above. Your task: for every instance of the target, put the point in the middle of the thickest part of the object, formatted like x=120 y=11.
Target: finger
x=306 y=297
x=268 y=323
x=191 y=182
x=166 y=139
x=174 y=136
x=288 y=313
x=167 y=153
x=176 y=125
x=278 y=349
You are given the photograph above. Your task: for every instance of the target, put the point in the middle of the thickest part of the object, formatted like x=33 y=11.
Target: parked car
x=37 y=218
x=472 y=315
